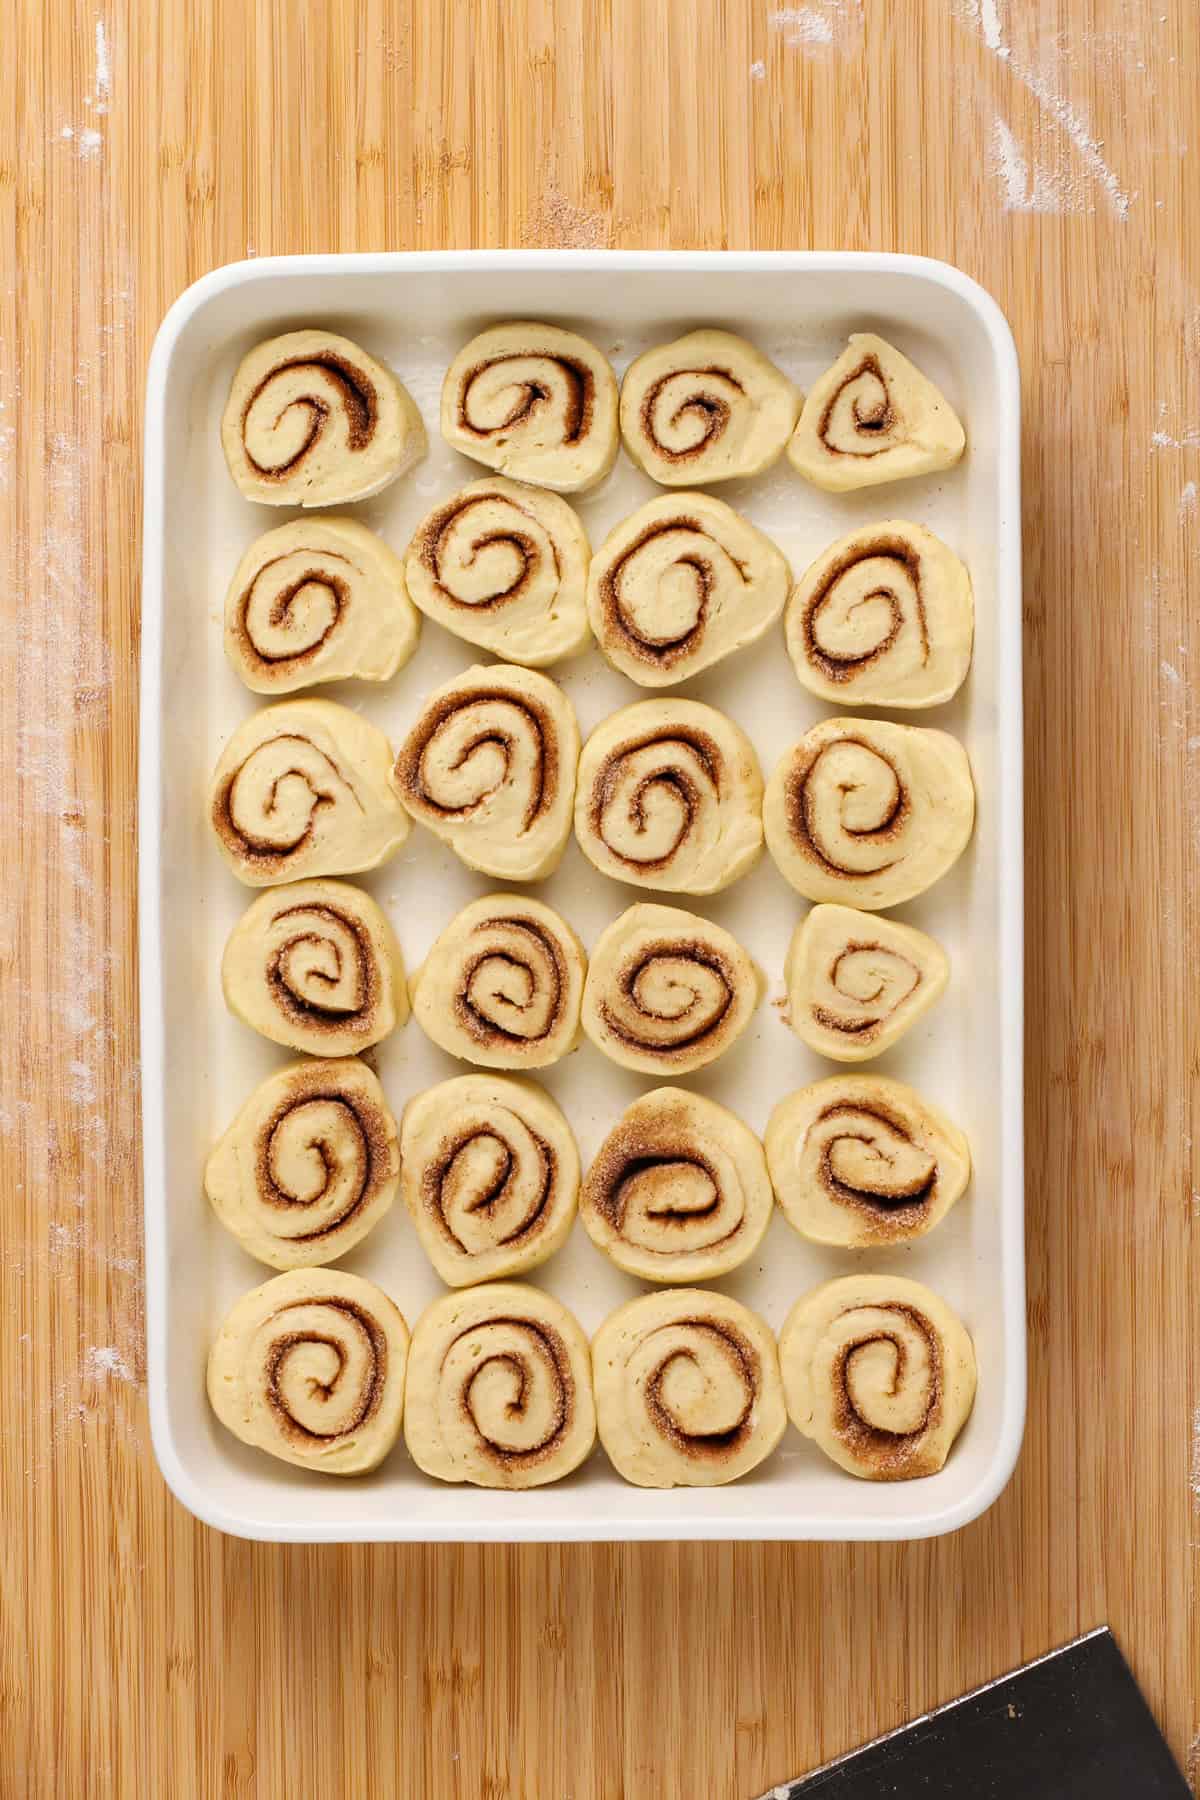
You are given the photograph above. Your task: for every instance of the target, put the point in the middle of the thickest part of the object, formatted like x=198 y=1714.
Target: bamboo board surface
x=1047 y=148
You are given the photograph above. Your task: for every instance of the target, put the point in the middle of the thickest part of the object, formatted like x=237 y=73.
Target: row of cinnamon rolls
x=498 y=1386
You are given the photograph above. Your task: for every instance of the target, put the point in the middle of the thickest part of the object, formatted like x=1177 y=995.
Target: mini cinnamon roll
x=502 y=985
x=687 y=1389
x=682 y=583
x=670 y=796
x=309 y=1166
x=499 y=1389
x=679 y=1189
x=705 y=408
x=880 y=1373
x=312 y=420
x=316 y=966
x=860 y=1160
x=873 y=417
x=504 y=566
x=321 y=599
x=304 y=788
x=868 y=813
x=856 y=982
x=310 y=1367
x=667 y=992
x=491 y=1176
x=535 y=402
x=489 y=768
x=884 y=618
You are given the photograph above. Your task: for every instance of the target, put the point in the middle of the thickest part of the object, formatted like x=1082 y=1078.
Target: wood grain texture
x=1046 y=147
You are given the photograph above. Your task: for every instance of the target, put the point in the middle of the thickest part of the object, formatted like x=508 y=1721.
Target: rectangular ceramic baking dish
x=199 y=1063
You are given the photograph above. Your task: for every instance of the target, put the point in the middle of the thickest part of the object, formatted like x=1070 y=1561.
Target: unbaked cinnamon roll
x=880 y=1373
x=705 y=408
x=312 y=420
x=682 y=583
x=316 y=966
x=489 y=768
x=667 y=992
x=860 y=1160
x=309 y=1166
x=304 y=788
x=679 y=1189
x=884 y=618
x=310 y=1367
x=503 y=984
x=856 y=982
x=321 y=599
x=687 y=1389
x=535 y=402
x=491 y=1176
x=670 y=796
x=868 y=813
x=873 y=417
x=505 y=566
x=499 y=1389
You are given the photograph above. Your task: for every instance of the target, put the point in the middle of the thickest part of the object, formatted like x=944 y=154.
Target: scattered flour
x=1188 y=502
x=1036 y=190
x=819 y=29
x=101 y=1361
x=103 y=77
x=758 y=71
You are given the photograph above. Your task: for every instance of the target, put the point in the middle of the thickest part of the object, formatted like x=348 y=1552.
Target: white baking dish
x=199 y=1064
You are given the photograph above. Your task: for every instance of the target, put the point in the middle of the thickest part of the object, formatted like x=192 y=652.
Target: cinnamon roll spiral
x=316 y=966
x=687 y=1389
x=856 y=982
x=860 y=1160
x=321 y=599
x=880 y=1373
x=505 y=566
x=682 y=583
x=868 y=813
x=312 y=420
x=310 y=1367
x=873 y=417
x=304 y=788
x=502 y=985
x=670 y=796
x=489 y=768
x=679 y=1189
x=309 y=1165
x=884 y=618
x=705 y=408
x=667 y=992
x=491 y=1176
x=536 y=402
x=499 y=1389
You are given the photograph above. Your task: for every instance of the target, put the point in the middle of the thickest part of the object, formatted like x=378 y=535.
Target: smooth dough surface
x=491 y=1176
x=309 y=1166
x=313 y=420
x=499 y=1388
x=504 y=565
x=885 y=617
x=679 y=1189
x=688 y=1392
x=667 y=992
x=320 y=599
x=316 y=966
x=874 y=417
x=310 y=1367
x=856 y=982
x=304 y=788
x=880 y=1373
x=707 y=407
x=669 y=796
x=682 y=583
x=489 y=767
x=868 y=813
x=535 y=402
x=862 y=1160
x=503 y=984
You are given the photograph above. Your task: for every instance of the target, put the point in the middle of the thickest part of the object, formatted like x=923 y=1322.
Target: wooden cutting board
x=1050 y=147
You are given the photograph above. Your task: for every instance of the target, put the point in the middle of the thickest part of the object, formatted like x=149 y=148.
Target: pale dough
x=873 y=417
x=706 y=408
x=856 y=982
